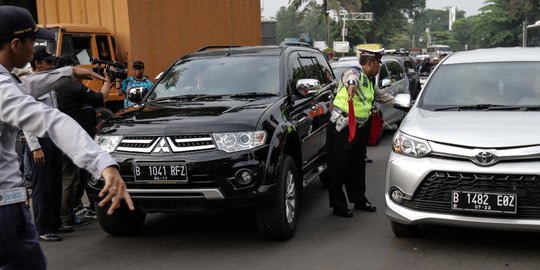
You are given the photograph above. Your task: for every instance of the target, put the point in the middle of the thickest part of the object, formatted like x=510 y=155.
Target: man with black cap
x=138 y=80
x=19 y=244
x=47 y=165
x=348 y=133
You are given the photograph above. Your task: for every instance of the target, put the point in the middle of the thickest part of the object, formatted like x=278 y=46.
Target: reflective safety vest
x=362 y=100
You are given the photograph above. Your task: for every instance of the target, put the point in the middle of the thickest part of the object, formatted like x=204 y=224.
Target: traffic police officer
x=348 y=133
x=19 y=244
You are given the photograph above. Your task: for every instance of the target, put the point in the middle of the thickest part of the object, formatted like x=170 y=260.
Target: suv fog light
x=244 y=177
x=396 y=195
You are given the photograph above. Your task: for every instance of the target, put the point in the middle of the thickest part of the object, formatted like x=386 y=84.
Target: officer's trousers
x=347 y=165
x=47 y=189
x=19 y=244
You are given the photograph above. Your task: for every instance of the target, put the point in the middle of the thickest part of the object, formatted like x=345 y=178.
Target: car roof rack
x=294 y=43
x=212 y=47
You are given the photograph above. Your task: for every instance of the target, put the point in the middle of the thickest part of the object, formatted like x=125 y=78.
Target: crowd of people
x=57 y=184
x=33 y=104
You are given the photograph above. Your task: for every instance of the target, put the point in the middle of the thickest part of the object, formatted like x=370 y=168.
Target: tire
x=402 y=230
x=277 y=220
x=122 y=222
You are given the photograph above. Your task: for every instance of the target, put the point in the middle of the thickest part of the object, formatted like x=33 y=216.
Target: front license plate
x=484 y=202
x=165 y=172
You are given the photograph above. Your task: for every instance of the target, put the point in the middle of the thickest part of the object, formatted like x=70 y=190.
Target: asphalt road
x=322 y=241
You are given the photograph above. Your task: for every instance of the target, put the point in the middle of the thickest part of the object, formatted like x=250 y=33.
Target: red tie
x=352 y=121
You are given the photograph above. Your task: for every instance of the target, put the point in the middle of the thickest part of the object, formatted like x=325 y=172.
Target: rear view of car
x=468 y=152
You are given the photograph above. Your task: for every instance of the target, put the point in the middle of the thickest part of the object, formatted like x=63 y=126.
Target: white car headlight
x=108 y=143
x=410 y=146
x=239 y=141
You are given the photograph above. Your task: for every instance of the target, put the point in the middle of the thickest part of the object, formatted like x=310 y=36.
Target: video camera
x=115 y=69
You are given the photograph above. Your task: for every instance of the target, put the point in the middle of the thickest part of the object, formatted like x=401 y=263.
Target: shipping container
x=160 y=31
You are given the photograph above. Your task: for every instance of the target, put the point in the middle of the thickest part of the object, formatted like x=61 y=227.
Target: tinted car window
x=395 y=71
x=408 y=64
x=312 y=68
x=104 y=51
x=383 y=74
x=298 y=71
x=483 y=83
x=220 y=76
x=327 y=71
x=78 y=45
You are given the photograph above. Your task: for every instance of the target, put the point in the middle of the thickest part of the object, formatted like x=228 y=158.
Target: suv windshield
x=508 y=84
x=220 y=76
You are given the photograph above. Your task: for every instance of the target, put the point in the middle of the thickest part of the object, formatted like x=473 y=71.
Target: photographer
x=78 y=102
x=138 y=80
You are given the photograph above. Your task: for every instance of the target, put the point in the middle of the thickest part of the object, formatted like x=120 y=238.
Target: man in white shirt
x=19 y=244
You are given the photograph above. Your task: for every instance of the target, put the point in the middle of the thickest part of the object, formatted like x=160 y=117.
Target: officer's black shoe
x=343 y=212
x=365 y=206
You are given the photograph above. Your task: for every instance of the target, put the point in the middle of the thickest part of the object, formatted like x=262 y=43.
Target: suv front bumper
x=212 y=181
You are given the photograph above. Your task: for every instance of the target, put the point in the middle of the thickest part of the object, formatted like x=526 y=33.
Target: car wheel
x=402 y=230
x=277 y=220
x=122 y=222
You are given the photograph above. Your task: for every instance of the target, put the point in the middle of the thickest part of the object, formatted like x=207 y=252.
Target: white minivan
x=468 y=151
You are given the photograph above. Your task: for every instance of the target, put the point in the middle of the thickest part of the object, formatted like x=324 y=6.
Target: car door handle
x=301 y=119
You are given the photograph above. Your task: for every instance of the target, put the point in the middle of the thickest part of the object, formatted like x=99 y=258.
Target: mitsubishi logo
x=485 y=158
x=162 y=146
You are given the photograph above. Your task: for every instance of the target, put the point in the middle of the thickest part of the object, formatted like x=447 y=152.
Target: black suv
x=234 y=127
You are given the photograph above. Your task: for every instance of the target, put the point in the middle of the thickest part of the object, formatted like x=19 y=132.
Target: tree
x=294 y=24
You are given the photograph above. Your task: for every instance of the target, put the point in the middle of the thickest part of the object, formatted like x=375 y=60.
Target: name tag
x=11 y=196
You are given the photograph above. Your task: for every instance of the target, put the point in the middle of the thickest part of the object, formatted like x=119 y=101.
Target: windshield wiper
x=518 y=107
x=179 y=97
x=254 y=94
x=209 y=97
x=485 y=107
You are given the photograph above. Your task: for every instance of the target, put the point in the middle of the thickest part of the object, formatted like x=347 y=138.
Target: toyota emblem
x=485 y=158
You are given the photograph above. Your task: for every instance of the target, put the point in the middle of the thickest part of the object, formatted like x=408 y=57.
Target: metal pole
x=343 y=30
x=413 y=40
x=524 y=40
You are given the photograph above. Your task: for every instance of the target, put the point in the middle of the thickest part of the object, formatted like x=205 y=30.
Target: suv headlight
x=239 y=141
x=108 y=143
x=410 y=146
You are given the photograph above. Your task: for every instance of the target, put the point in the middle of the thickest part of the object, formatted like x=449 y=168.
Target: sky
x=470 y=6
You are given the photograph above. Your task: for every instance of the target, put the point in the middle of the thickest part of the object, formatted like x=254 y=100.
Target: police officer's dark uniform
x=19 y=244
x=347 y=148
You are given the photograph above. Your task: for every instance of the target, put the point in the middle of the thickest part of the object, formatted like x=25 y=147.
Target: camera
x=115 y=69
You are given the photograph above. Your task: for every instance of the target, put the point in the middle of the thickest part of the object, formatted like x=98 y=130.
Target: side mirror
x=158 y=76
x=308 y=87
x=136 y=94
x=402 y=102
x=386 y=83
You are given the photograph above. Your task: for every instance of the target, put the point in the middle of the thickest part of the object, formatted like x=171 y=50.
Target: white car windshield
x=499 y=84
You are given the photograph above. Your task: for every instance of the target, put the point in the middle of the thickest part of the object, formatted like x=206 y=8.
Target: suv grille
x=172 y=144
x=434 y=193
